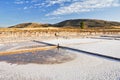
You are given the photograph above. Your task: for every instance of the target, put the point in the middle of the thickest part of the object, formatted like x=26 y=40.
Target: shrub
x=82 y=25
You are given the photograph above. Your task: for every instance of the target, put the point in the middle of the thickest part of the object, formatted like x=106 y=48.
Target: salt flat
x=84 y=67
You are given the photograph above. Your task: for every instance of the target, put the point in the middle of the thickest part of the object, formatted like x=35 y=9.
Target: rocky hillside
x=87 y=23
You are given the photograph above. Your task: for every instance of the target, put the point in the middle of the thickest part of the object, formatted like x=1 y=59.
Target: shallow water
x=53 y=56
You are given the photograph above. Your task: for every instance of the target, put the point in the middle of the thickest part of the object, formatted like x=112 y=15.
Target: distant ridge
x=90 y=23
x=30 y=25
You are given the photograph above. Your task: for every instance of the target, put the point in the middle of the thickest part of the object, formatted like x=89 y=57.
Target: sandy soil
x=97 y=59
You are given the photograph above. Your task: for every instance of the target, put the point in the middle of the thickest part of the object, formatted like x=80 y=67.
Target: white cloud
x=43 y=3
x=85 y=6
x=68 y=6
x=25 y=8
x=19 y=2
x=53 y=2
x=60 y=2
x=53 y=18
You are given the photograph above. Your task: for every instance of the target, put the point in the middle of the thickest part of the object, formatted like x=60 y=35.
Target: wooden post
x=58 y=45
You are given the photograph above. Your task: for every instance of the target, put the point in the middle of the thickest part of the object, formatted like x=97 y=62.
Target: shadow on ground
x=84 y=52
x=54 y=56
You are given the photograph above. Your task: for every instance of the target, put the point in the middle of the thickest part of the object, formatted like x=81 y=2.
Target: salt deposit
x=84 y=67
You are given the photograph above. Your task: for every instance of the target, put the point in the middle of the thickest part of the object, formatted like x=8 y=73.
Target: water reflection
x=53 y=56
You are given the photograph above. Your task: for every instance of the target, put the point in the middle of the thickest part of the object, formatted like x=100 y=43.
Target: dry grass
x=53 y=29
x=71 y=30
x=27 y=34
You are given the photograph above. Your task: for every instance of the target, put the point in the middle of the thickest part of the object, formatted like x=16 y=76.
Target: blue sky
x=13 y=12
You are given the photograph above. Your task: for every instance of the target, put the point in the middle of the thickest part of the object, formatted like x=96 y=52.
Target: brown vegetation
x=25 y=34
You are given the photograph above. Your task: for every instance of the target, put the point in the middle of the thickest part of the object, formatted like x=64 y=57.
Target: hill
x=30 y=25
x=88 y=23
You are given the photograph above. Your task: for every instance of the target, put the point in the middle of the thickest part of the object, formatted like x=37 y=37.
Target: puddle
x=54 y=56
